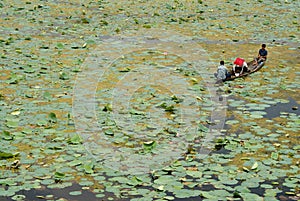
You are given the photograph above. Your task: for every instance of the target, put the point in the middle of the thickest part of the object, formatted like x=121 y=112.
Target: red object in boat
x=239 y=61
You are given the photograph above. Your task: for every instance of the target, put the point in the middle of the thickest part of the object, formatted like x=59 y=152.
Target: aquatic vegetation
x=150 y=98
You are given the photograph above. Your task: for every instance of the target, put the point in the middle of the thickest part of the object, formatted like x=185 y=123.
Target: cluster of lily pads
x=43 y=47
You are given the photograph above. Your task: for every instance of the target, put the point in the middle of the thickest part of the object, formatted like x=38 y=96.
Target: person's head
x=263 y=46
x=222 y=62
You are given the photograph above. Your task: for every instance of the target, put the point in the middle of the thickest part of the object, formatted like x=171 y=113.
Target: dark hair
x=222 y=63
x=263 y=45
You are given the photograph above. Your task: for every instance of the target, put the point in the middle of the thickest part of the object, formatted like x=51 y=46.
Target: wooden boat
x=251 y=69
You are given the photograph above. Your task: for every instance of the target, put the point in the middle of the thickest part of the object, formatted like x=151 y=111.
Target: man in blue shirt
x=262 y=54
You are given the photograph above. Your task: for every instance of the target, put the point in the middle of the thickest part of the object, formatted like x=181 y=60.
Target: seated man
x=222 y=72
x=239 y=66
x=262 y=54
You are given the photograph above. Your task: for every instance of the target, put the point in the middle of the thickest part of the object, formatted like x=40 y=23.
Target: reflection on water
x=55 y=194
x=275 y=110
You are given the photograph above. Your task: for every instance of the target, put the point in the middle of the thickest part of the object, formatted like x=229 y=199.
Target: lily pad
x=89 y=167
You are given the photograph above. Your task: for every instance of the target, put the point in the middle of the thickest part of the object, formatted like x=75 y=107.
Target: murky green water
x=115 y=100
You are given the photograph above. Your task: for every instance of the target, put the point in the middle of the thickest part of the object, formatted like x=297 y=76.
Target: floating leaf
x=209 y=195
x=246 y=169
x=251 y=197
x=14 y=79
x=136 y=112
x=149 y=145
x=5 y=155
x=42 y=122
x=75 y=163
x=75 y=193
x=59 y=45
x=59 y=175
x=176 y=99
x=85 y=20
x=76 y=70
x=202 y=128
x=254 y=166
x=186 y=193
x=168 y=107
x=29 y=69
x=274 y=155
x=75 y=139
x=194 y=80
x=52 y=117
x=12 y=123
x=124 y=70
x=107 y=108
x=135 y=181
x=47 y=96
x=109 y=132
x=195 y=174
x=18 y=197
x=88 y=168
x=6 y=135
x=165 y=179
x=63 y=76
x=15 y=113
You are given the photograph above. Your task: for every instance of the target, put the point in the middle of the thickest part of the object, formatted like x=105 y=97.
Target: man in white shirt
x=222 y=72
x=241 y=64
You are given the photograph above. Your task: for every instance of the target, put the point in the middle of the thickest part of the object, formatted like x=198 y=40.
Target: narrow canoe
x=251 y=69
